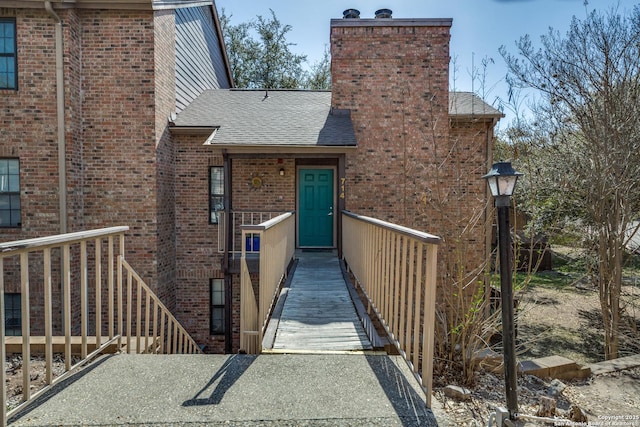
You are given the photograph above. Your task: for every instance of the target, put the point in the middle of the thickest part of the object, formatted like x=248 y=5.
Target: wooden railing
x=98 y=298
x=276 y=251
x=396 y=269
x=156 y=330
x=233 y=222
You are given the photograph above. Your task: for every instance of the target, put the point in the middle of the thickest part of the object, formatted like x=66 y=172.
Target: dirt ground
x=602 y=398
x=37 y=375
x=566 y=322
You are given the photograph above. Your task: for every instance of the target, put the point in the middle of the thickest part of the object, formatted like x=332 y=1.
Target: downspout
x=228 y=282
x=62 y=145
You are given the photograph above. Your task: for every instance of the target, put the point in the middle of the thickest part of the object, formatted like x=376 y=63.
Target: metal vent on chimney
x=351 y=14
x=383 y=13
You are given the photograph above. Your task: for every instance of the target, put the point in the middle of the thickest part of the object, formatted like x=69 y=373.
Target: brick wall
x=118 y=130
x=28 y=125
x=119 y=159
x=394 y=78
x=276 y=194
x=413 y=165
x=165 y=68
x=458 y=209
x=28 y=131
x=197 y=256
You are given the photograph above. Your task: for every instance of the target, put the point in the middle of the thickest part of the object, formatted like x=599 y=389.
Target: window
x=217 y=306
x=12 y=315
x=9 y=193
x=8 y=63
x=216 y=193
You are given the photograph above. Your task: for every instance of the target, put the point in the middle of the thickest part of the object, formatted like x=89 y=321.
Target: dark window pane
x=9 y=193
x=216 y=193
x=5 y=218
x=217 y=180
x=217 y=292
x=12 y=314
x=15 y=219
x=217 y=320
x=7 y=53
x=217 y=306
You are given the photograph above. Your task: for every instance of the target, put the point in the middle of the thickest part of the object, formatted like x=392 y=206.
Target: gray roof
x=287 y=118
x=269 y=118
x=470 y=105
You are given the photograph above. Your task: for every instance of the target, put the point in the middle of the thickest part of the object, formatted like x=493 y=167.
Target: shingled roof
x=290 y=118
x=467 y=105
x=269 y=118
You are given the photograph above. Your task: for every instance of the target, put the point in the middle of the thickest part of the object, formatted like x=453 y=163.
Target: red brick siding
x=197 y=256
x=73 y=117
x=28 y=131
x=462 y=213
x=28 y=126
x=119 y=160
x=395 y=81
x=276 y=194
x=165 y=68
x=412 y=166
x=118 y=130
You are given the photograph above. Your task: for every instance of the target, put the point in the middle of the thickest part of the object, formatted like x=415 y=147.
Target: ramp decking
x=318 y=314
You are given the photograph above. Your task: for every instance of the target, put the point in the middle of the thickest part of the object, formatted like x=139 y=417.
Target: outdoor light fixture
x=281 y=171
x=502 y=180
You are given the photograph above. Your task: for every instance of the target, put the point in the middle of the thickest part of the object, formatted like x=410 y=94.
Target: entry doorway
x=316 y=201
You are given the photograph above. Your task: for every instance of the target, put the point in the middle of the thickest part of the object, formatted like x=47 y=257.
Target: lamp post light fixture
x=502 y=180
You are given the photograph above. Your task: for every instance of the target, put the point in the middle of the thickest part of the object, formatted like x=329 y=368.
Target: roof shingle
x=270 y=118
x=291 y=117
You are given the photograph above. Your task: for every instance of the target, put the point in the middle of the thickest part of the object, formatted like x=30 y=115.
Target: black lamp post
x=502 y=181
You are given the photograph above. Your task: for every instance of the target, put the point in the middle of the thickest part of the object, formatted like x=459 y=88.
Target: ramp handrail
x=276 y=251
x=395 y=267
x=82 y=275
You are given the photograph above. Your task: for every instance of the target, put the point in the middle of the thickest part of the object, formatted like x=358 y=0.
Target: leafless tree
x=589 y=80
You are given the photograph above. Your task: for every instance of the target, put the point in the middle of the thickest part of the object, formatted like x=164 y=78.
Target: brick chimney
x=393 y=74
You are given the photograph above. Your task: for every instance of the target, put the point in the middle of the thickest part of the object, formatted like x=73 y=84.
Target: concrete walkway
x=318 y=314
x=265 y=390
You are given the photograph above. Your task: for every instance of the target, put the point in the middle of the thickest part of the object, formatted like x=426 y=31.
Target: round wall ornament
x=255 y=182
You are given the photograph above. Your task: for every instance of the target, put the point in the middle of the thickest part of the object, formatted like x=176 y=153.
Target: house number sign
x=342 y=181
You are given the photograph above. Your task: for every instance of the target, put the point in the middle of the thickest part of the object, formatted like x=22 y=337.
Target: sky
x=479 y=28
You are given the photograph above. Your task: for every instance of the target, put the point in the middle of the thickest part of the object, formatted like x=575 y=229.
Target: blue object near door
x=252 y=243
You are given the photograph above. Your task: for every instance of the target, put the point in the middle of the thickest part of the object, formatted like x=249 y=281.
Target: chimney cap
x=383 y=13
x=351 y=14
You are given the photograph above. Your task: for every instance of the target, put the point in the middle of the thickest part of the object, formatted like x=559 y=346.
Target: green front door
x=316 y=216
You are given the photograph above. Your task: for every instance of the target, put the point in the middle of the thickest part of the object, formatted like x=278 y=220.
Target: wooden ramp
x=318 y=315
